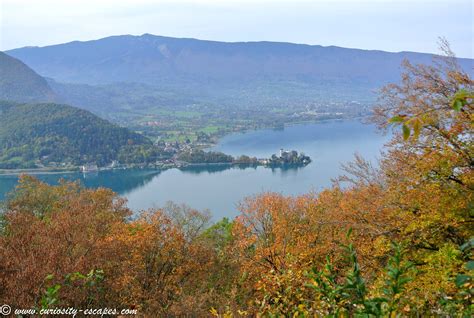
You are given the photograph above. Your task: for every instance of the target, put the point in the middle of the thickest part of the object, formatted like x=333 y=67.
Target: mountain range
x=167 y=61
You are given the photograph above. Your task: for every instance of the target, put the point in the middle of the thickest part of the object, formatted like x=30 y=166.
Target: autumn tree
x=54 y=232
x=69 y=246
x=420 y=196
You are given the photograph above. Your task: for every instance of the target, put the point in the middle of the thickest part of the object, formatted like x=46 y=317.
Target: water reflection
x=120 y=181
x=287 y=171
x=126 y=181
x=196 y=170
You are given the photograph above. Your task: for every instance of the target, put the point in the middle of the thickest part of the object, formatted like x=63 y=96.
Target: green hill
x=36 y=135
x=20 y=83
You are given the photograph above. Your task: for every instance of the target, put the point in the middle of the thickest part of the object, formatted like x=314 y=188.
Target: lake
x=220 y=189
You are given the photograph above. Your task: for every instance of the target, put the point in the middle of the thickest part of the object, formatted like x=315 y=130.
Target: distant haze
x=166 y=61
x=402 y=25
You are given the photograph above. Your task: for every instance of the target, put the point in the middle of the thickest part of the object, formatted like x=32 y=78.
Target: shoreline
x=40 y=171
x=289 y=124
x=47 y=171
x=17 y=172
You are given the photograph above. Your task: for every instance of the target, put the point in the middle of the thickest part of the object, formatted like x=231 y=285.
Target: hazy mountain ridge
x=168 y=61
x=20 y=83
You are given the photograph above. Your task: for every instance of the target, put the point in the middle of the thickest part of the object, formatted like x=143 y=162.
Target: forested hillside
x=20 y=83
x=393 y=241
x=33 y=135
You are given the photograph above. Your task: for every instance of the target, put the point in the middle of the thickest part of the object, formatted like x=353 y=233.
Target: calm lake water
x=220 y=189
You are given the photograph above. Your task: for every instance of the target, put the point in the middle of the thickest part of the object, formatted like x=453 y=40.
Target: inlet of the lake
x=220 y=189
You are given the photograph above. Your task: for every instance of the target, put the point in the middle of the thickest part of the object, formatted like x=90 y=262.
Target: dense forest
x=35 y=135
x=200 y=156
x=390 y=241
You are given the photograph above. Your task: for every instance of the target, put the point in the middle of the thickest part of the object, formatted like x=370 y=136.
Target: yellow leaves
x=461 y=99
x=436 y=275
x=406 y=131
x=382 y=246
x=417 y=125
x=408 y=124
x=214 y=312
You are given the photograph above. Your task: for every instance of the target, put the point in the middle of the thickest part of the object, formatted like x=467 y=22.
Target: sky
x=389 y=25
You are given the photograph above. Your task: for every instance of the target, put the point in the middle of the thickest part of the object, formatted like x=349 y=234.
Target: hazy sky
x=391 y=25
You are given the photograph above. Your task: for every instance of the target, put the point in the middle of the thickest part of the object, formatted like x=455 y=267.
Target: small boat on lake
x=89 y=168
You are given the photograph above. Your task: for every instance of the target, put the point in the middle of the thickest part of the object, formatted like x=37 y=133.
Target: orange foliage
x=167 y=262
x=151 y=263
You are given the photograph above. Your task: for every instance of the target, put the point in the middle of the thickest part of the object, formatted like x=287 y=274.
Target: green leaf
x=461 y=94
x=416 y=128
x=396 y=119
x=406 y=132
x=457 y=105
x=468 y=245
x=470 y=265
x=404 y=280
x=462 y=279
